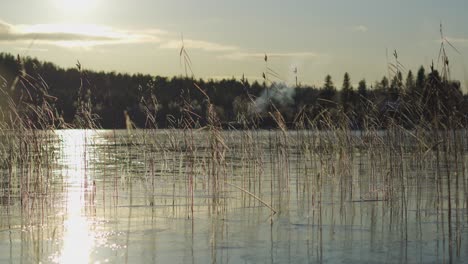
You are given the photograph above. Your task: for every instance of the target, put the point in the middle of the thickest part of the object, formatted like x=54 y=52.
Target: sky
x=227 y=39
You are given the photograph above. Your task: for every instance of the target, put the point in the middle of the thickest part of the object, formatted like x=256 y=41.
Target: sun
x=75 y=6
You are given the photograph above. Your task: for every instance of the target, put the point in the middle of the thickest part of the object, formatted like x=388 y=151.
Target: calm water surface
x=173 y=196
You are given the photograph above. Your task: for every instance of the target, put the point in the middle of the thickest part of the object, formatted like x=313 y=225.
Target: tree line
x=83 y=98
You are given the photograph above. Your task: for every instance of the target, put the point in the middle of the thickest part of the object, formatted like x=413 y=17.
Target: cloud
x=255 y=55
x=31 y=49
x=360 y=28
x=91 y=35
x=198 y=44
x=5 y=27
x=71 y=35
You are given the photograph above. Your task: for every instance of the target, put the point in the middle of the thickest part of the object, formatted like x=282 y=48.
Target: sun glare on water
x=79 y=239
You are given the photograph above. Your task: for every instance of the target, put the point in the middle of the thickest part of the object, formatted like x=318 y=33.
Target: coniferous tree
x=396 y=87
x=362 y=88
x=346 y=94
x=410 y=82
x=420 y=81
x=384 y=83
x=108 y=95
x=328 y=83
x=361 y=103
x=328 y=93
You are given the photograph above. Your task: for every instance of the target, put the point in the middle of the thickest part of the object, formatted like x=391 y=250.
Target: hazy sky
x=230 y=38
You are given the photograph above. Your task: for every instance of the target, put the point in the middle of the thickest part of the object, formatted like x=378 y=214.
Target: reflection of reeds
x=329 y=169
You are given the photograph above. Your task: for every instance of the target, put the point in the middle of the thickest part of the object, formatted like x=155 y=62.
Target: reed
x=199 y=166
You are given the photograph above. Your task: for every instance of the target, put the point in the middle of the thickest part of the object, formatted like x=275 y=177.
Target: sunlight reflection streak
x=79 y=239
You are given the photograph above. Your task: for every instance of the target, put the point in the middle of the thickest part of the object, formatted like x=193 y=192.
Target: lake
x=254 y=196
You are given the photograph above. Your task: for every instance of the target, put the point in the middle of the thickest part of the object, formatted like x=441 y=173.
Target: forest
x=82 y=98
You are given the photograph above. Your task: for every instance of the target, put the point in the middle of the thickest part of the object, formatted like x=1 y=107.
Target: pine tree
x=420 y=81
x=328 y=83
x=410 y=83
x=384 y=83
x=346 y=93
x=362 y=88
x=328 y=92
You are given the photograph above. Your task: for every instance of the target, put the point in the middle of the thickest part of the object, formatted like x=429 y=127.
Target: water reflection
x=79 y=239
x=146 y=197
